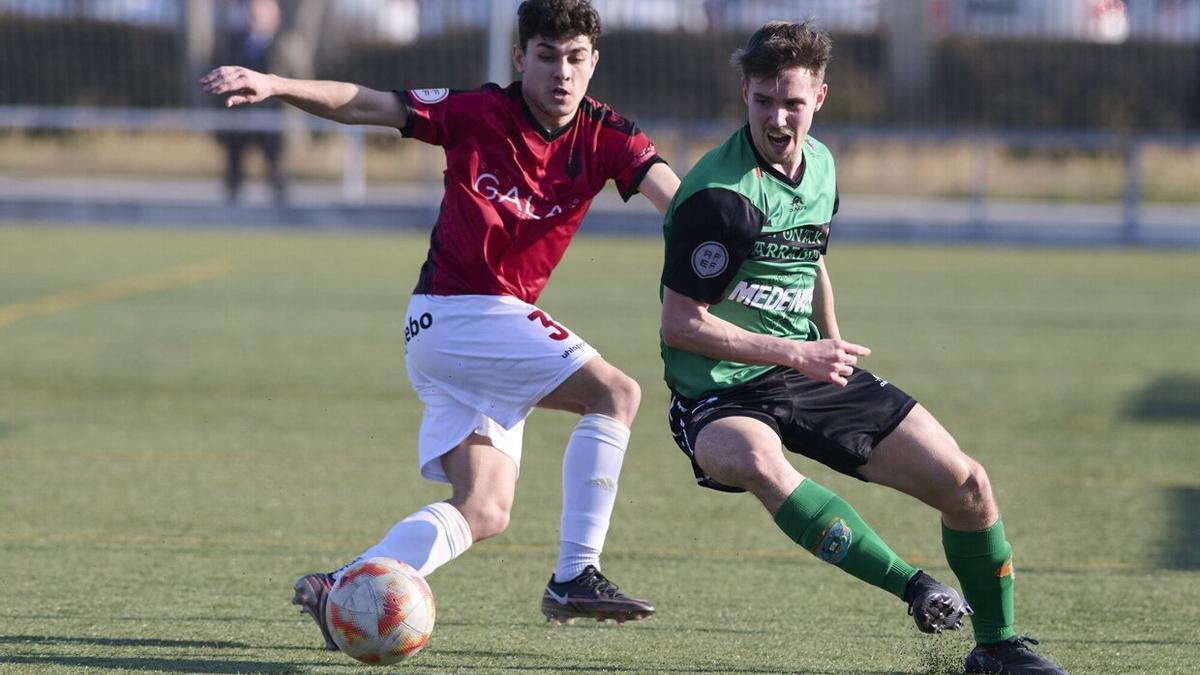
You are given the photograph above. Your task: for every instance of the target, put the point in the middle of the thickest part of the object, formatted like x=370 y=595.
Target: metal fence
x=1082 y=77
x=1071 y=64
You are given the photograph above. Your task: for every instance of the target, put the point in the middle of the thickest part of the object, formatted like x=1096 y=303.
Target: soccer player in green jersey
x=756 y=363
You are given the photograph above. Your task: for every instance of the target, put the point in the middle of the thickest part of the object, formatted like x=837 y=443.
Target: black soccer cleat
x=934 y=606
x=1011 y=656
x=312 y=594
x=591 y=596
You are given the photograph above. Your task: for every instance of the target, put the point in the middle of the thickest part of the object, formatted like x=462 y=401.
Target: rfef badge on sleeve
x=709 y=259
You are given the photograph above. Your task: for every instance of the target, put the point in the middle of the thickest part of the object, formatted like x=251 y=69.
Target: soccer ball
x=380 y=611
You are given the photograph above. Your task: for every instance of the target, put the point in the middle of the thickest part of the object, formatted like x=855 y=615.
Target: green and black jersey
x=745 y=240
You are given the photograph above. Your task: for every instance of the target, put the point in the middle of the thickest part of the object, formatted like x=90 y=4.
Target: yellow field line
x=120 y=288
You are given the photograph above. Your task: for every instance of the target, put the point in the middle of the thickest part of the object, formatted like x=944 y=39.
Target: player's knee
x=761 y=472
x=974 y=491
x=487 y=519
x=623 y=396
x=627 y=395
x=747 y=470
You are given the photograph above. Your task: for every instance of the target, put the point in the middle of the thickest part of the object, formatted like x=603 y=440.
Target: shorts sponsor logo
x=835 y=542
x=430 y=96
x=709 y=259
x=572 y=349
x=415 y=326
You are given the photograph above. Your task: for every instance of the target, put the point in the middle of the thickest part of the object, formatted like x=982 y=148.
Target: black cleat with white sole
x=934 y=606
x=591 y=596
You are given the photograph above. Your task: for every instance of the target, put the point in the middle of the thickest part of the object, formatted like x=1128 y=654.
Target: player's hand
x=829 y=360
x=244 y=85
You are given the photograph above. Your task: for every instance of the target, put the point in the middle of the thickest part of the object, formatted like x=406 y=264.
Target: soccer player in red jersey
x=523 y=163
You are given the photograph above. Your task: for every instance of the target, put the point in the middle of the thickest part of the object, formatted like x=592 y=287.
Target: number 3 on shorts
x=559 y=333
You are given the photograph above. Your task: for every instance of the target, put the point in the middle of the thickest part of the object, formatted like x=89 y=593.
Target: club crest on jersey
x=488 y=185
x=709 y=259
x=430 y=96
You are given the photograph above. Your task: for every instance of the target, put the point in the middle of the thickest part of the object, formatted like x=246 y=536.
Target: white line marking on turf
x=192 y=273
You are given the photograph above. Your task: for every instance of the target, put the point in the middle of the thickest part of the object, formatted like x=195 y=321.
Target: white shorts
x=480 y=363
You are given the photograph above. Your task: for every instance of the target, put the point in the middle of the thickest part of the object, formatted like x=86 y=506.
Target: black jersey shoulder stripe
x=729 y=212
x=591 y=109
x=607 y=117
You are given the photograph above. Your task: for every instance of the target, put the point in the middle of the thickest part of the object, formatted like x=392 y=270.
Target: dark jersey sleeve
x=711 y=233
x=626 y=151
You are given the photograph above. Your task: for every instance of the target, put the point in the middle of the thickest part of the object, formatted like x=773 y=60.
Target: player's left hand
x=828 y=360
x=245 y=85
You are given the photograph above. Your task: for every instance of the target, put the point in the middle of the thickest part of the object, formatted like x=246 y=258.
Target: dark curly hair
x=557 y=20
x=780 y=45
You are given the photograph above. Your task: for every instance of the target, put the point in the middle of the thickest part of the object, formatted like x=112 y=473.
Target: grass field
x=189 y=420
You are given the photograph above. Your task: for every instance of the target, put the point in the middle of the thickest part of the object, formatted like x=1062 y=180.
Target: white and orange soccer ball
x=380 y=611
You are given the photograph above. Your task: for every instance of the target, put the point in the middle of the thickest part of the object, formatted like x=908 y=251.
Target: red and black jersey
x=515 y=193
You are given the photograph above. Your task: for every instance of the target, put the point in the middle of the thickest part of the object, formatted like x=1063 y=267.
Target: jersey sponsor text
x=772 y=298
x=488 y=185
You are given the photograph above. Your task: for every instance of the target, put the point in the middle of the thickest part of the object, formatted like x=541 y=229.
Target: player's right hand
x=829 y=360
x=244 y=85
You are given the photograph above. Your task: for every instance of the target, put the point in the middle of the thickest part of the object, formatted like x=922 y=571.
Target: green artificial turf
x=190 y=420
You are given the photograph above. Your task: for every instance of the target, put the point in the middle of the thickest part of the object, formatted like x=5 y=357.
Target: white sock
x=591 y=467
x=425 y=540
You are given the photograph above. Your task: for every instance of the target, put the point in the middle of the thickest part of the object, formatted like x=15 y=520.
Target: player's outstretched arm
x=659 y=185
x=687 y=324
x=338 y=101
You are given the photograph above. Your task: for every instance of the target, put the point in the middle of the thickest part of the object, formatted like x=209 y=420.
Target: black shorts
x=837 y=426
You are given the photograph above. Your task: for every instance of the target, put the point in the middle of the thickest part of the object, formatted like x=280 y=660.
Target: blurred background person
x=255 y=44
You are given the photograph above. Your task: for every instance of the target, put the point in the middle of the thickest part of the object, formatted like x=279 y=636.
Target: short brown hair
x=780 y=45
x=557 y=20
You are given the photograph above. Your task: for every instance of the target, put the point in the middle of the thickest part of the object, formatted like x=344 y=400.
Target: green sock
x=829 y=528
x=983 y=563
